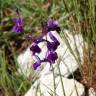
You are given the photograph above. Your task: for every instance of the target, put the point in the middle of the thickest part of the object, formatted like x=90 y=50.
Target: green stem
x=61 y=78
x=54 y=81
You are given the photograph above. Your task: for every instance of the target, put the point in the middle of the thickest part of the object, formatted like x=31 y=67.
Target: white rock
x=92 y=92
x=47 y=87
x=32 y=91
x=68 y=63
x=25 y=61
x=70 y=89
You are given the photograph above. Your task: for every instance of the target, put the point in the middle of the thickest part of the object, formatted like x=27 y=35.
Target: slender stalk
x=75 y=83
x=54 y=81
x=66 y=7
x=61 y=78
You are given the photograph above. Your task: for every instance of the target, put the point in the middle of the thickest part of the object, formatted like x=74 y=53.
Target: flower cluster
x=51 y=56
x=47 y=28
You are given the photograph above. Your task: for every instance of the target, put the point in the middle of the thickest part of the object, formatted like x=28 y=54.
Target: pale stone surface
x=47 y=87
x=70 y=89
x=68 y=63
x=92 y=92
x=25 y=62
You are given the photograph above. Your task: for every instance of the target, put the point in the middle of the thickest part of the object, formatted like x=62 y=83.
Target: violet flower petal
x=52 y=56
x=52 y=46
x=36 y=65
x=50 y=25
x=53 y=38
x=14 y=20
x=53 y=25
x=35 y=48
x=18 y=27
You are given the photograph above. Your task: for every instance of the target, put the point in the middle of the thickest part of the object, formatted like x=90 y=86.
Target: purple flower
x=35 y=48
x=52 y=57
x=52 y=46
x=18 y=25
x=53 y=25
x=50 y=25
x=37 y=63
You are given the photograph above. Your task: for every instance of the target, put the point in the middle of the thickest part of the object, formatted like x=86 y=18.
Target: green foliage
x=11 y=82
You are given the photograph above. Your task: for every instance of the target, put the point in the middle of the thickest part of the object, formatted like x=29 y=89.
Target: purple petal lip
x=35 y=49
x=36 y=65
x=17 y=28
x=52 y=37
x=52 y=46
x=52 y=56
